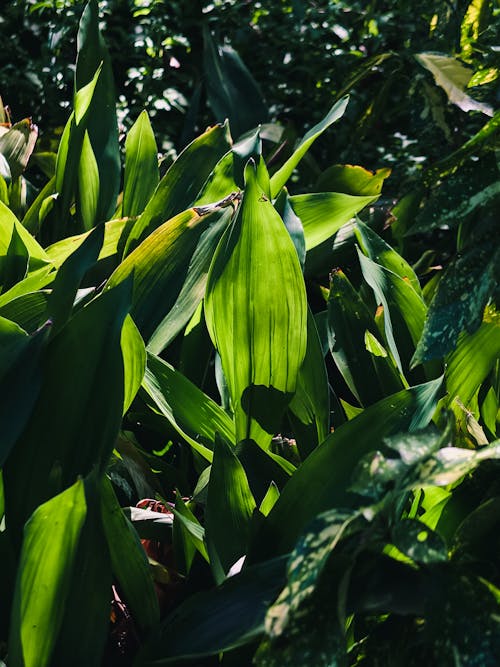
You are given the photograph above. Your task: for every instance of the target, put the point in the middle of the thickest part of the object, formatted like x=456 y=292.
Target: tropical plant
x=239 y=425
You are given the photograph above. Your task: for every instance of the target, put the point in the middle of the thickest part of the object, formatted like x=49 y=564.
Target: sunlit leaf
x=260 y=371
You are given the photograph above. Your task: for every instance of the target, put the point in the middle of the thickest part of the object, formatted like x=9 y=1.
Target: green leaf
x=101 y=122
x=369 y=376
x=60 y=251
x=189 y=532
x=231 y=90
x=20 y=380
x=194 y=285
x=323 y=214
x=69 y=277
x=418 y=542
x=159 y=266
x=88 y=185
x=33 y=217
x=280 y=178
x=470 y=363
x=269 y=500
x=309 y=409
x=134 y=361
x=330 y=466
x=459 y=301
x=79 y=409
x=296 y=624
x=453 y=78
x=86 y=621
x=195 y=416
x=182 y=183
x=217 y=620
x=8 y=222
x=229 y=509
x=45 y=573
x=14 y=264
x=129 y=561
x=381 y=252
x=404 y=309
x=141 y=167
x=352 y=180
x=248 y=322
x=27 y=310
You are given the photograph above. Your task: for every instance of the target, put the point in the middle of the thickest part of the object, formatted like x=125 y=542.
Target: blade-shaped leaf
x=194 y=415
x=159 y=266
x=44 y=577
x=128 y=560
x=369 y=376
x=182 y=183
x=88 y=185
x=141 y=167
x=329 y=468
x=101 y=122
x=249 y=322
x=217 y=620
x=229 y=509
x=309 y=409
x=280 y=178
x=79 y=409
x=323 y=214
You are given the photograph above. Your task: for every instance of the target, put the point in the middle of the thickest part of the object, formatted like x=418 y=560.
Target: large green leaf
x=20 y=380
x=216 y=620
x=141 y=167
x=352 y=180
x=229 y=509
x=193 y=287
x=45 y=573
x=60 y=251
x=472 y=360
x=195 y=416
x=87 y=613
x=323 y=214
x=129 y=562
x=159 y=266
x=328 y=470
x=101 y=123
x=249 y=322
x=182 y=183
x=280 y=178
x=367 y=369
x=79 y=409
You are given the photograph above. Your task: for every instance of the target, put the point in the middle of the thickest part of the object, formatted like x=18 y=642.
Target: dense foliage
x=250 y=403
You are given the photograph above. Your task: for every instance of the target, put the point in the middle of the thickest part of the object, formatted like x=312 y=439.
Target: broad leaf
x=248 y=322
x=229 y=509
x=44 y=578
x=182 y=183
x=195 y=416
x=129 y=562
x=329 y=468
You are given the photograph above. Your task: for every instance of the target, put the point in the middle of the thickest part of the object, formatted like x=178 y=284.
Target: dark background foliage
x=303 y=55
